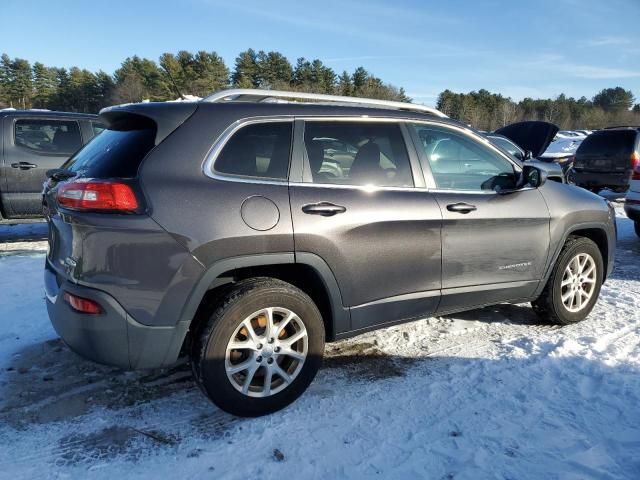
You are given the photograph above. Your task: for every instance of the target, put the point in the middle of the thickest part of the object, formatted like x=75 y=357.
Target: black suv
x=245 y=232
x=35 y=141
x=607 y=159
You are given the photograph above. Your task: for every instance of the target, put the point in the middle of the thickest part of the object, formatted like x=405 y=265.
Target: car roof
x=46 y=113
x=300 y=109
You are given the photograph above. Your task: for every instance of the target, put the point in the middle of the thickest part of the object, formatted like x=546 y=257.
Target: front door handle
x=461 y=207
x=24 y=165
x=325 y=209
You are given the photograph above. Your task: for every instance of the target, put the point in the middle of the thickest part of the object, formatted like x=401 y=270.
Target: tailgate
x=596 y=163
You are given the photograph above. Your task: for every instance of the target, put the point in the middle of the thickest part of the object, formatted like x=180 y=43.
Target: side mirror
x=527 y=155
x=533 y=176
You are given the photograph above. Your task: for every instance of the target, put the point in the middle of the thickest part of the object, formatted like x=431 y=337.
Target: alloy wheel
x=266 y=352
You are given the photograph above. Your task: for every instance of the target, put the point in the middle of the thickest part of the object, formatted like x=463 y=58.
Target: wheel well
x=599 y=237
x=299 y=275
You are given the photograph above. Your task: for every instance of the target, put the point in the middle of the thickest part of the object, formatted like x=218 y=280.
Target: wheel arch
x=596 y=232
x=306 y=271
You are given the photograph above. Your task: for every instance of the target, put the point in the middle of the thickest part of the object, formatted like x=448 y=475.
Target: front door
x=31 y=147
x=494 y=245
x=367 y=215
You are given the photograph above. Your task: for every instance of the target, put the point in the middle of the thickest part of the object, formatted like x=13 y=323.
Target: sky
x=537 y=48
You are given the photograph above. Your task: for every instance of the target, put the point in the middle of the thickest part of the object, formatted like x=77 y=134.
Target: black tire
x=549 y=305
x=637 y=228
x=233 y=306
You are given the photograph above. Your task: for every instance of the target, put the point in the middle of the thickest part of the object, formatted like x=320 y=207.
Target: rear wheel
x=574 y=285
x=260 y=348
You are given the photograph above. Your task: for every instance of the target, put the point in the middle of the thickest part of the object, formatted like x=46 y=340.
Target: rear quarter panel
x=203 y=214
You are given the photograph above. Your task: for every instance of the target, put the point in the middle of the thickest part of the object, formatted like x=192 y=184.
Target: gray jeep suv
x=249 y=228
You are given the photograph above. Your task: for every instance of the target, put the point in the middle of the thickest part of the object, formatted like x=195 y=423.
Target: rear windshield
x=613 y=142
x=113 y=154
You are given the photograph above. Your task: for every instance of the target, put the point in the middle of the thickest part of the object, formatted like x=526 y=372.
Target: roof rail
x=622 y=126
x=256 y=95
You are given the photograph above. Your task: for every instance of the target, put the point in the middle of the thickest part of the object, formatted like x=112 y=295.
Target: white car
x=632 y=202
x=569 y=134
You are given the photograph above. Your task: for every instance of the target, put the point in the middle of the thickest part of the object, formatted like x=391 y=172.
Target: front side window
x=358 y=153
x=459 y=163
x=58 y=137
x=257 y=150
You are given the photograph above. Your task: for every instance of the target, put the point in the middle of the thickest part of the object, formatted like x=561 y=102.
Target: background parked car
x=34 y=142
x=563 y=151
x=632 y=202
x=553 y=170
x=607 y=159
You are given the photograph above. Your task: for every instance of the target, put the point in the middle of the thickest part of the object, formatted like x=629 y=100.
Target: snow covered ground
x=493 y=393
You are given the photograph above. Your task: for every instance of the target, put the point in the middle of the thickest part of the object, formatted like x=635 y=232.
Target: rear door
x=367 y=214
x=494 y=246
x=33 y=145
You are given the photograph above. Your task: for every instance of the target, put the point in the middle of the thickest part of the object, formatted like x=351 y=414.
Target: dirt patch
x=365 y=360
x=47 y=383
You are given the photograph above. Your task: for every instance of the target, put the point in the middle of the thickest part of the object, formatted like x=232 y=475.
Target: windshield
x=113 y=154
x=508 y=146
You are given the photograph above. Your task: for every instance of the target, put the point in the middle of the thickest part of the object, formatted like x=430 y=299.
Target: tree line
x=488 y=111
x=23 y=85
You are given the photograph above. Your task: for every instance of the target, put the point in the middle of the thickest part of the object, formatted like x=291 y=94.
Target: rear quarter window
x=113 y=154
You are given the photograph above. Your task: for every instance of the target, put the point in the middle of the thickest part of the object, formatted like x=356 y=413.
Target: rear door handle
x=461 y=207
x=325 y=209
x=24 y=165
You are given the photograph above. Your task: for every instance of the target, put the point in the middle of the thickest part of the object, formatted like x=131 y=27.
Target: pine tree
x=5 y=80
x=359 y=79
x=21 y=87
x=245 y=72
x=44 y=85
x=274 y=70
x=302 y=74
x=345 y=87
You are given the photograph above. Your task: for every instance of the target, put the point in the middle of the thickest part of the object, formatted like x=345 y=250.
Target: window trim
x=295 y=168
x=47 y=119
x=208 y=166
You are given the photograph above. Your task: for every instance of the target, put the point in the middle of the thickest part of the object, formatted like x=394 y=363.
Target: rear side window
x=113 y=154
x=361 y=154
x=56 y=137
x=620 y=142
x=257 y=150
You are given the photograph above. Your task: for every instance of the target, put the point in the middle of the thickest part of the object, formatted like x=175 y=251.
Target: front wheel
x=260 y=349
x=574 y=285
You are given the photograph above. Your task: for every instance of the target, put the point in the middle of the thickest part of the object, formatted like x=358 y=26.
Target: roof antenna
x=173 y=82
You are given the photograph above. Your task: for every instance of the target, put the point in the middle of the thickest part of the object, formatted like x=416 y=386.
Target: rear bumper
x=601 y=179
x=112 y=337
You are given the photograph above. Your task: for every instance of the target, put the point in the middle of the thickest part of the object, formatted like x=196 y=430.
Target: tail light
x=101 y=195
x=82 y=305
x=635 y=164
